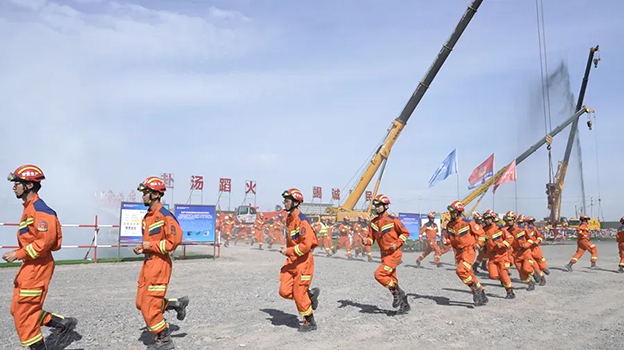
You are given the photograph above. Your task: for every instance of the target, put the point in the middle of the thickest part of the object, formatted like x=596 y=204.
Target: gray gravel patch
x=235 y=304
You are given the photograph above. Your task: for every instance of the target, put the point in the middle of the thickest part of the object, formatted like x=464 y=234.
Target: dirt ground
x=235 y=304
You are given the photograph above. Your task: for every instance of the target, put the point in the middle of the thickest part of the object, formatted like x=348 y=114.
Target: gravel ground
x=235 y=304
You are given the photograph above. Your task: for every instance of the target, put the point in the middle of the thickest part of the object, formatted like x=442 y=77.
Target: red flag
x=508 y=176
x=481 y=173
x=317 y=192
x=335 y=194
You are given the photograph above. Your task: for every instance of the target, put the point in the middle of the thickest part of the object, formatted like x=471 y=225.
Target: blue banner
x=448 y=167
x=198 y=222
x=412 y=224
x=130 y=220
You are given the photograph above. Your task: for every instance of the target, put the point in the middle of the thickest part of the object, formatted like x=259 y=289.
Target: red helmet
x=152 y=183
x=622 y=220
x=26 y=173
x=521 y=218
x=530 y=219
x=294 y=194
x=381 y=199
x=510 y=215
x=584 y=217
x=489 y=214
x=456 y=206
x=431 y=215
x=476 y=215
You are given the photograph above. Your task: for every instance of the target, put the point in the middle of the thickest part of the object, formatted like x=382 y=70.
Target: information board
x=198 y=222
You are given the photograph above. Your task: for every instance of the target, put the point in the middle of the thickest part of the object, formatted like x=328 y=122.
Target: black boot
x=531 y=286
x=510 y=294
x=397 y=296
x=64 y=325
x=621 y=269
x=593 y=265
x=163 y=341
x=546 y=271
x=308 y=324
x=484 y=266
x=179 y=305
x=542 y=280
x=484 y=298
x=417 y=263
x=40 y=345
x=475 y=267
x=568 y=266
x=536 y=277
x=313 y=294
x=405 y=306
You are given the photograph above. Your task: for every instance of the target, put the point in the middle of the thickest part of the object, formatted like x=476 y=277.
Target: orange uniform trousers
x=498 y=268
x=386 y=272
x=344 y=241
x=524 y=263
x=431 y=247
x=621 y=249
x=295 y=279
x=326 y=242
x=464 y=258
x=583 y=246
x=30 y=289
x=152 y=287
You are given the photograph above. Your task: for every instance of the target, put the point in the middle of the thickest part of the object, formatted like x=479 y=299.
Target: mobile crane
x=380 y=157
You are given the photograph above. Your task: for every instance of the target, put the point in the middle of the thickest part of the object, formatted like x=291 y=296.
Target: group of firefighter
x=516 y=243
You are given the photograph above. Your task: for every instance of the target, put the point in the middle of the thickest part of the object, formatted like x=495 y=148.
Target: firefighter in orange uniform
x=620 y=242
x=298 y=270
x=521 y=248
x=431 y=231
x=536 y=251
x=38 y=235
x=390 y=234
x=465 y=241
x=583 y=244
x=498 y=242
x=482 y=255
x=161 y=235
x=344 y=240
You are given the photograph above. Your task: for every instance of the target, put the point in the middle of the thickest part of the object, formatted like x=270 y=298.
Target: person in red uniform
x=38 y=235
x=161 y=235
x=390 y=234
x=620 y=241
x=583 y=244
x=298 y=270
x=465 y=240
x=431 y=233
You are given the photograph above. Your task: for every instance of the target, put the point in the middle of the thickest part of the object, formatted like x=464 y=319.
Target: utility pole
x=591 y=206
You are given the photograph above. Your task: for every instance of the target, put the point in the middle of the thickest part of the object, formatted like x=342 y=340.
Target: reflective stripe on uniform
x=31 y=251
x=158 y=326
x=162 y=246
x=32 y=340
x=30 y=292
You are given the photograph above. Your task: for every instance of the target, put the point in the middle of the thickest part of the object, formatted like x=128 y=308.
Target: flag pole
x=457 y=167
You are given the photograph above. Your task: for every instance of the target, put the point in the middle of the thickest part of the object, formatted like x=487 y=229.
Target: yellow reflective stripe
x=31 y=251
x=30 y=292
x=530 y=241
x=467 y=265
x=32 y=340
x=375 y=227
x=26 y=222
x=464 y=229
x=506 y=244
x=507 y=285
x=298 y=251
x=539 y=239
x=506 y=264
x=496 y=235
x=403 y=238
x=387 y=268
x=163 y=246
x=156 y=224
x=156 y=288
x=157 y=326
x=387 y=226
x=306 y=277
x=467 y=280
x=294 y=232
x=308 y=312
x=520 y=235
x=593 y=245
x=482 y=238
x=390 y=285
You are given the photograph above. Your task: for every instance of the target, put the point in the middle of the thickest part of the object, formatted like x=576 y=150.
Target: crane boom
x=399 y=123
x=555 y=191
x=483 y=188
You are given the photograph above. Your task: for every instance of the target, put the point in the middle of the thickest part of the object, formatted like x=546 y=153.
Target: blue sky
x=298 y=94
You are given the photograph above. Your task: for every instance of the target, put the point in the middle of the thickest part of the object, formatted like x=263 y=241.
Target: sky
x=102 y=94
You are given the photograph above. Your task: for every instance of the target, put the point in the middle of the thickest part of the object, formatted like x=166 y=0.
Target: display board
x=413 y=222
x=130 y=219
x=198 y=222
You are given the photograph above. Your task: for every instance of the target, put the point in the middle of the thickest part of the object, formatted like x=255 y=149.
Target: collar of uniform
x=294 y=212
x=383 y=215
x=31 y=201
x=156 y=210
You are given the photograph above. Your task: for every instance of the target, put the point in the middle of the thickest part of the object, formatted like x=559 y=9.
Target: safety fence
x=94 y=245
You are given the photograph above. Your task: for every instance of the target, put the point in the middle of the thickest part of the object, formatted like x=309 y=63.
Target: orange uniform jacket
x=162 y=231
x=430 y=230
x=387 y=229
x=620 y=234
x=39 y=231
x=300 y=238
x=582 y=233
x=522 y=240
x=464 y=234
x=497 y=241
